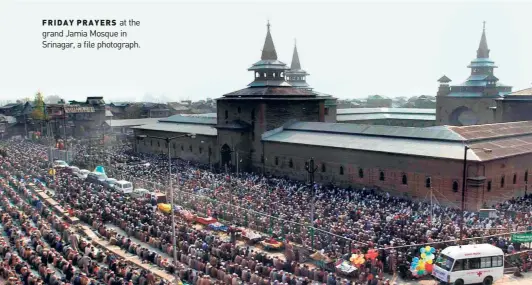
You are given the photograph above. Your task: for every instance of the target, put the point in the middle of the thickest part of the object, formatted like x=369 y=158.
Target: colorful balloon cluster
x=423 y=266
x=372 y=254
x=357 y=259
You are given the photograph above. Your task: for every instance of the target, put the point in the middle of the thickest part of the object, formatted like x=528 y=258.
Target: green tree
x=39 y=108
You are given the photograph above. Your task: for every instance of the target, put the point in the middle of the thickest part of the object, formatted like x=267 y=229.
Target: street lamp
x=168 y=139
x=464 y=185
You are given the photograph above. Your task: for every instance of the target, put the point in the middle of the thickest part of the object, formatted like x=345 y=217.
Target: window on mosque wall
x=381 y=176
x=526 y=176
x=257 y=75
x=489 y=186
x=158 y=144
x=405 y=180
x=341 y=170
x=190 y=148
x=282 y=74
x=326 y=111
x=151 y=142
x=502 y=182
x=200 y=150
x=274 y=74
x=264 y=74
x=455 y=186
x=276 y=160
x=428 y=182
x=291 y=163
x=515 y=179
x=182 y=148
x=226 y=114
x=239 y=110
x=323 y=169
x=361 y=173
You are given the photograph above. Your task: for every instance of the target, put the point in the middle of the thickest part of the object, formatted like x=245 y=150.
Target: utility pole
x=311 y=169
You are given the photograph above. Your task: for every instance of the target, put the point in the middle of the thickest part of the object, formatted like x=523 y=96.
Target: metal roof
x=385 y=110
x=131 y=122
x=490 y=131
x=208 y=115
x=523 y=92
x=189 y=120
x=361 y=117
x=377 y=130
x=264 y=83
x=271 y=91
x=437 y=149
x=199 y=129
x=300 y=83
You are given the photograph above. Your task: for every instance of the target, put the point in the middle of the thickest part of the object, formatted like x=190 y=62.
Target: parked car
x=71 y=169
x=96 y=177
x=142 y=193
x=82 y=173
x=60 y=164
x=124 y=186
x=110 y=182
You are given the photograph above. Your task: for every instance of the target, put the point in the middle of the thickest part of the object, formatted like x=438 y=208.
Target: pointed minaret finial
x=296 y=65
x=483 y=51
x=268 y=51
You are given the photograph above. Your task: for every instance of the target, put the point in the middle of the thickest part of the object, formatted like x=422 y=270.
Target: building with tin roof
x=273 y=127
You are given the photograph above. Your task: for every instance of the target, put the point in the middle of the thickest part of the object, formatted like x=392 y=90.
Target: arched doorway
x=225 y=152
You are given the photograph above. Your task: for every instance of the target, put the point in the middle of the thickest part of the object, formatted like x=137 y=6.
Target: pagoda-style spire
x=296 y=65
x=483 y=51
x=268 y=52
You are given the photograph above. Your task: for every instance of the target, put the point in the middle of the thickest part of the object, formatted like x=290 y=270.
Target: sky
x=197 y=50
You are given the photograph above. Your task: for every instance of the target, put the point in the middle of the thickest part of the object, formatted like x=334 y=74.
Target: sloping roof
x=205 y=120
x=377 y=130
x=270 y=91
x=385 y=111
x=490 y=131
x=131 y=122
x=523 y=92
x=363 y=117
x=208 y=115
x=502 y=140
x=108 y=113
x=437 y=149
x=200 y=129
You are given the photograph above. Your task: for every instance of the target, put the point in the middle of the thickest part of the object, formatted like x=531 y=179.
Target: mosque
x=278 y=122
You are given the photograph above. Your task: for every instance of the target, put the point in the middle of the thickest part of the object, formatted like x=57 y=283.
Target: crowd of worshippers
x=359 y=215
x=39 y=248
x=202 y=255
x=196 y=248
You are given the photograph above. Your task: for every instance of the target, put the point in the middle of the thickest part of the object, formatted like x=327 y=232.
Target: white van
x=469 y=264
x=123 y=186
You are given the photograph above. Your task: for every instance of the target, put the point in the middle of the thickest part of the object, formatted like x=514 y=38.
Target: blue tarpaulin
x=100 y=169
